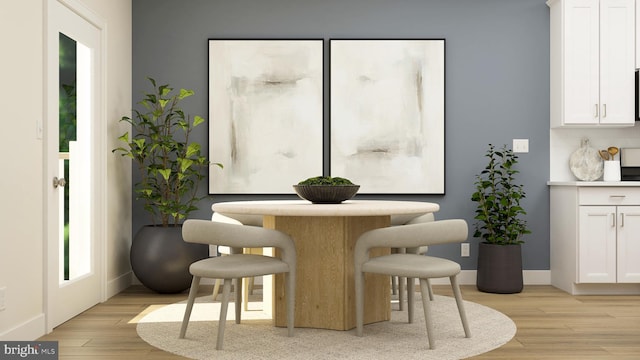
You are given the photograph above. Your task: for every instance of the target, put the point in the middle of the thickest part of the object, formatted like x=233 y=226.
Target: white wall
x=22 y=182
x=118 y=79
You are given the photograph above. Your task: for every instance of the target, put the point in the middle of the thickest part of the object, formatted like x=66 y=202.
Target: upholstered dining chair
x=397 y=282
x=238 y=265
x=410 y=265
x=237 y=219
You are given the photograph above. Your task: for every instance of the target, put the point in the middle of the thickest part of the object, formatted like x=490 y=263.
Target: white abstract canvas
x=265 y=113
x=387 y=114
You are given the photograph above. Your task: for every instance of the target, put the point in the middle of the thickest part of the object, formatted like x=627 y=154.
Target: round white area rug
x=256 y=338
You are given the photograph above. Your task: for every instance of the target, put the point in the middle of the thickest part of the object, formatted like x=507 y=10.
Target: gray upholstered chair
x=410 y=265
x=238 y=265
x=397 y=282
x=236 y=219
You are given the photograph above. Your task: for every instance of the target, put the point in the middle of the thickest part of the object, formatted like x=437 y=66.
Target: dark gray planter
x=499 y=268
x=160 y=259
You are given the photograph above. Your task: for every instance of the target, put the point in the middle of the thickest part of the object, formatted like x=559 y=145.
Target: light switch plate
x=520 y=145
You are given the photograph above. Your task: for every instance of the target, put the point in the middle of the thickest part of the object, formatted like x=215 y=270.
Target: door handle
x=613 y=219
x=622 y=220
x=59 y=182
x=604 y=110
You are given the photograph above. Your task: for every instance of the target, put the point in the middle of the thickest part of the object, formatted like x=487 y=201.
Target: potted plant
x=171 y=167
x=499 y=223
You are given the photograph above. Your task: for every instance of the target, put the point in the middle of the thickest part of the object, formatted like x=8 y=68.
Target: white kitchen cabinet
x=595 y=238
x=609 y=244
x=592 y=54
x=628 y=244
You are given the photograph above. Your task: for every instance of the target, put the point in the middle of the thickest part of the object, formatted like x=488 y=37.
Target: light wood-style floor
x=551 y=325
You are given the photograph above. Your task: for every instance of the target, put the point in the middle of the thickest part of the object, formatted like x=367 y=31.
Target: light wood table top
x=306 y=208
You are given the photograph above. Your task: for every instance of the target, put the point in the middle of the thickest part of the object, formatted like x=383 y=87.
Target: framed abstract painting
x=387 y=114
x=265 y=114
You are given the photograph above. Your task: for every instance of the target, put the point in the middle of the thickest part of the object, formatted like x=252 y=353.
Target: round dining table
x=325 y=236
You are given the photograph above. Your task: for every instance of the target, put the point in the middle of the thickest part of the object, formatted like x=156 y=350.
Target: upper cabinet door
x=617 y=61
x=592 y=63
x=581 y=62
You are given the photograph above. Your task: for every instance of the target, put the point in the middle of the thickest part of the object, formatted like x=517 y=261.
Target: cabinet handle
x=621 y=219
x=596 y=115
x=613 y=219
x=618 y=196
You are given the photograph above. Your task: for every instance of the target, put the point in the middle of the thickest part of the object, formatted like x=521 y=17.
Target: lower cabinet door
x=597 y=244
x=629 y=244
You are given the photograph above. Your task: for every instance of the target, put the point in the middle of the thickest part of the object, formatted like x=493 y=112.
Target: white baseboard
x=119 y=284
x=529 y=277
x=27 y=331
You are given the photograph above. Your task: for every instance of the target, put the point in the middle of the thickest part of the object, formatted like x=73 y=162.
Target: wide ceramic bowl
x=326 y=194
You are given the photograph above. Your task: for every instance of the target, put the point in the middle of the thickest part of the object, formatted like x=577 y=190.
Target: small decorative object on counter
x=586 y=163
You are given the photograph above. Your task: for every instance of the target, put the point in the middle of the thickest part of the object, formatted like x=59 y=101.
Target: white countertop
x=595 y=183
x=306 y=208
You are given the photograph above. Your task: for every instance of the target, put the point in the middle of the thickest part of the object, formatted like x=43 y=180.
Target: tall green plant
x=171 y=165
x=498 y=198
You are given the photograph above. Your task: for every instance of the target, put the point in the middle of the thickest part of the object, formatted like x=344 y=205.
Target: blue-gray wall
x=497 y=79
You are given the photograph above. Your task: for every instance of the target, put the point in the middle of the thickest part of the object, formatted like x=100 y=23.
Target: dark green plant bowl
x=326 y=194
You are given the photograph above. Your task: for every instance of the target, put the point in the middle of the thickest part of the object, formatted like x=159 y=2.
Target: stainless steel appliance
x=630 y=164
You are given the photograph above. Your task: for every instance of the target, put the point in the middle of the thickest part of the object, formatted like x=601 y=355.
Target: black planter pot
x=160 y=259
x=499 y=268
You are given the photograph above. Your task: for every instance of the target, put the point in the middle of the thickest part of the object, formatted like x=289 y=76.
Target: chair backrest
x=428 y=217
x=218 y=217
x=239 y=219
x=411 y=236
x=407 y=219
x=234 y=236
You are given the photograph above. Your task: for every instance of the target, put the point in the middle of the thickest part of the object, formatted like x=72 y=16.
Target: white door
x=597 y=244
x=628 y=244
x=582 y=62
x=617 y=61
x=73 y=157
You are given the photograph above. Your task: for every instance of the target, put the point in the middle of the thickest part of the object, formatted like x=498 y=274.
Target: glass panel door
x=73 y=156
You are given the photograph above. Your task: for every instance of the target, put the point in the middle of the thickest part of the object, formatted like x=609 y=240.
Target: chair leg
x=410 y=296
x=251 y=281
x=394 y=285
x=401 y=284
x=195 y=283
x=458 y=295
x=359 y=287
x=430 y=289
x=426 y=304
x=226 y=290
x=401 y=292
x=238 y=304
x=248 y=290
x=216 y=288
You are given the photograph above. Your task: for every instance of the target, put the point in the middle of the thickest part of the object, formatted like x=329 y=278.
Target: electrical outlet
x=464 y=249
x=3 y=291
x=520 y=145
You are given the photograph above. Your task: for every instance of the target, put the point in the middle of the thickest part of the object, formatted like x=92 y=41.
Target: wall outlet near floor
x=3 y=291
x=464 y=249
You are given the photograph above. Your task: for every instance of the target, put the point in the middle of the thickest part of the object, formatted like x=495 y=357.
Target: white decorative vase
x=611 y=170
